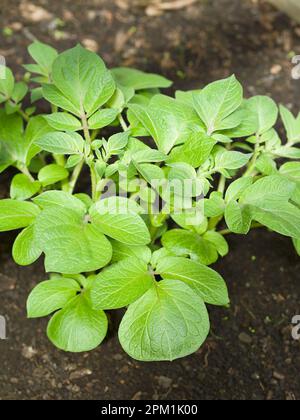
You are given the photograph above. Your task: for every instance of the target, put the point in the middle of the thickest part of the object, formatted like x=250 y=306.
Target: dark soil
x=250 y=353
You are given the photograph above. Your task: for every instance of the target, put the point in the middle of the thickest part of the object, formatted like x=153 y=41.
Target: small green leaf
x=25 y=249
x=51 y=174
x=296 y=243
x=16 y=214
x=23 y=188
x=102 y=118
x=44 y=55
x=183 y=243
x=63 y=121
x=169 y=322
x=195 y=151
x=77 y=327
x=291 y=124
x=51 y=295
x=61 y=143
x=236 y=188
x=139 y=80
x=232 y=160
x=207 y=283
x=7 y=83
x=218 y=241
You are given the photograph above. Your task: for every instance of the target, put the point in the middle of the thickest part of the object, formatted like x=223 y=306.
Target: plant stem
x=75 y=176
x=252 y=163
x=23 y=115
x=88 y=139
x=26 y=172
x=225 y=232
x=122 y=122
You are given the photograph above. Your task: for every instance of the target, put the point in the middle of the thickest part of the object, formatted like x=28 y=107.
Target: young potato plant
x=137 y=241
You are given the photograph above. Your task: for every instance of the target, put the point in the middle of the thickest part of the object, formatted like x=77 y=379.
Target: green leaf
x=214 y=206
x=36 y=128
x=184 y=243
x=124 y=251
x=296 y=243
x=217 y=101
x=218 y=241
x=7 y=83
x=207 y=283
x=44 y=55
x=238 y=218
x=169 y=122
x=121 y=284
x=248 y=125
x=77 y=327
x=81 y=76
x=266 y=111
x=117 y=142
x=139 y=80
x=266 y=165
x=23 y=188
x=195 y=151
x=148 y=156
x=25 y=249
x=232 y=160
x=63 y=121
x=61 y=143
x=20 y=90
x=51 y=174
x=291 y=170
x=236 y=188
x=170 y=321
x=120 y=223
x=71 y=244
x=73 y=160
x=51 y=295
x=60 y=199
x=288 y=152
x=102 y=118
x=53 y=95
x=291 y=124
x=16 y=214
x=268 y=201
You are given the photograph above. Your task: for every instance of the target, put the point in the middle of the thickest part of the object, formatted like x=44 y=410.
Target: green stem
x=122 y=122
x=26 y=172
x=225 y=232
x=87 y=136
x=75 y=176
x=252 y=164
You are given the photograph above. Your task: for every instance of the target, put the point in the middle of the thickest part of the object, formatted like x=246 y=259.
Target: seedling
x=136 y=239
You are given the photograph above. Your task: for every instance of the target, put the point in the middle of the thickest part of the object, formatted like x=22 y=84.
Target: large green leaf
x=16 y=214
x=216 y=103
x=266 y=111
x=51 y=295
x=81 y=76
x=207 y=283
x=70 y=243
x=119 y=220
x=121 y=284
x=77 y=327
x=7 y=83
x=170 y=321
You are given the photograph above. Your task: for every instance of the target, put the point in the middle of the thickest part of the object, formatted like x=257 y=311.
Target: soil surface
x=250 y=353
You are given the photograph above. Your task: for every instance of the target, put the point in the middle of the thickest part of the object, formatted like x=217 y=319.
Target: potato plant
x=170 y=178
